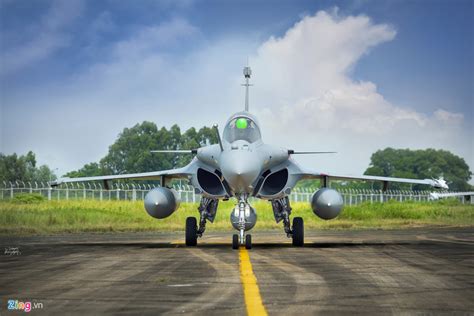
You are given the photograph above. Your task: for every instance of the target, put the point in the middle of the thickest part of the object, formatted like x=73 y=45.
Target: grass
x=18 y=217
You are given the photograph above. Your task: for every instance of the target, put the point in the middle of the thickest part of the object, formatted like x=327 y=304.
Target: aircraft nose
x=240 y=169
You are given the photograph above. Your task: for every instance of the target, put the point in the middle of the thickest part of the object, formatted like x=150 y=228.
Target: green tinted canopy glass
x=241 y=123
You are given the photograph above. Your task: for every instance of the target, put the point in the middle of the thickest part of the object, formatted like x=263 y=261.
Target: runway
x=336 y=272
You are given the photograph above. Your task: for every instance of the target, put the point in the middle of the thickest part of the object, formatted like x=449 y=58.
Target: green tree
x=23 y=168
x=420 y=164
x=206 y=136
x=29 y=161
x=131 y=152
x=44 y=174
x=89 y=170
x=11 y=167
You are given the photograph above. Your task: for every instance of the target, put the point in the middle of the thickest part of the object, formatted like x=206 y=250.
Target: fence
x=137 y=191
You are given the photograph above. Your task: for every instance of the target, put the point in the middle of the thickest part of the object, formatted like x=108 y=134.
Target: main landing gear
x=191 y=231
x=243 y=218
x=207 y=210
x=281 y=211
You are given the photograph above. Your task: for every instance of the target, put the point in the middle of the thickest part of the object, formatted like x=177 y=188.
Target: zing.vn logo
x=25 y=306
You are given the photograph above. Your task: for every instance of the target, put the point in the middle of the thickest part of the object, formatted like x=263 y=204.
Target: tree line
x=24 y=168
x=131 y=153
x=421 y=164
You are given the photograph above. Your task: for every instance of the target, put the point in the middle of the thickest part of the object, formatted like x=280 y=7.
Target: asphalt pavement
x=429 y=271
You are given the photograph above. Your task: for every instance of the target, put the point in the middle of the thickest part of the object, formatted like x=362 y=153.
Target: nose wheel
x=248 y=242
x=242 y=239
x=236 y=241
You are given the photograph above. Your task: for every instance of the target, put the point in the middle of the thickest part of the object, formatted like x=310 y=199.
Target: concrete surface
x=337 y=272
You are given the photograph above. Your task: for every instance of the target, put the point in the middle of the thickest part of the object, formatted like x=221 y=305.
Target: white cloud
x=152 y=40
x=310 y=101
x=304 y=95
x=46 y=37
x=448 y=117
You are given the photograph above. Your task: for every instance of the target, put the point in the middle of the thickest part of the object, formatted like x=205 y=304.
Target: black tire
x=235 y=241
x=298 y=232
x=191 y=231
x=248 y=242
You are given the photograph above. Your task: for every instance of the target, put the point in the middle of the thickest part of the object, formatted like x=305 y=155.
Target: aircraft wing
x=437 y=183
x=154 y=175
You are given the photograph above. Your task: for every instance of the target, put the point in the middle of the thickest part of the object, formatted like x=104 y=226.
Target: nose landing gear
x=235 y=241
x=243 y=219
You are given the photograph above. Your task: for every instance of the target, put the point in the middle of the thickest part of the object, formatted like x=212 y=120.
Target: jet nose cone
x=240 y=169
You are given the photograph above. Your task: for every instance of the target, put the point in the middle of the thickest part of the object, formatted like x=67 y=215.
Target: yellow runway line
x=253 y=300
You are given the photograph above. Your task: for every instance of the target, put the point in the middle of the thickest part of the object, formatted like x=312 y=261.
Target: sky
x=350 y=76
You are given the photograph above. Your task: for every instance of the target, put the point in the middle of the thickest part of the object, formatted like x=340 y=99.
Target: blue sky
x=75 y=73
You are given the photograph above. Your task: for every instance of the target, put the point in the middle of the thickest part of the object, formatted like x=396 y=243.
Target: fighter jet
x=242 y=166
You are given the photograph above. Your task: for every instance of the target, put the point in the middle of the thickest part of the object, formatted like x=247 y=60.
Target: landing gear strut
x=241 y=238
x=207 y=211
x=281 y=211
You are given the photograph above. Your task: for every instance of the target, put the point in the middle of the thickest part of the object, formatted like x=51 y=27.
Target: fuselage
x=244 y=157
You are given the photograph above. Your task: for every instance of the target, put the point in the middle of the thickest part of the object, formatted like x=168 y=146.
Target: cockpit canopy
x=241 y=127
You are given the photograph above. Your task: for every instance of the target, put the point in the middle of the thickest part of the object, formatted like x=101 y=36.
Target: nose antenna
x=247 y=74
